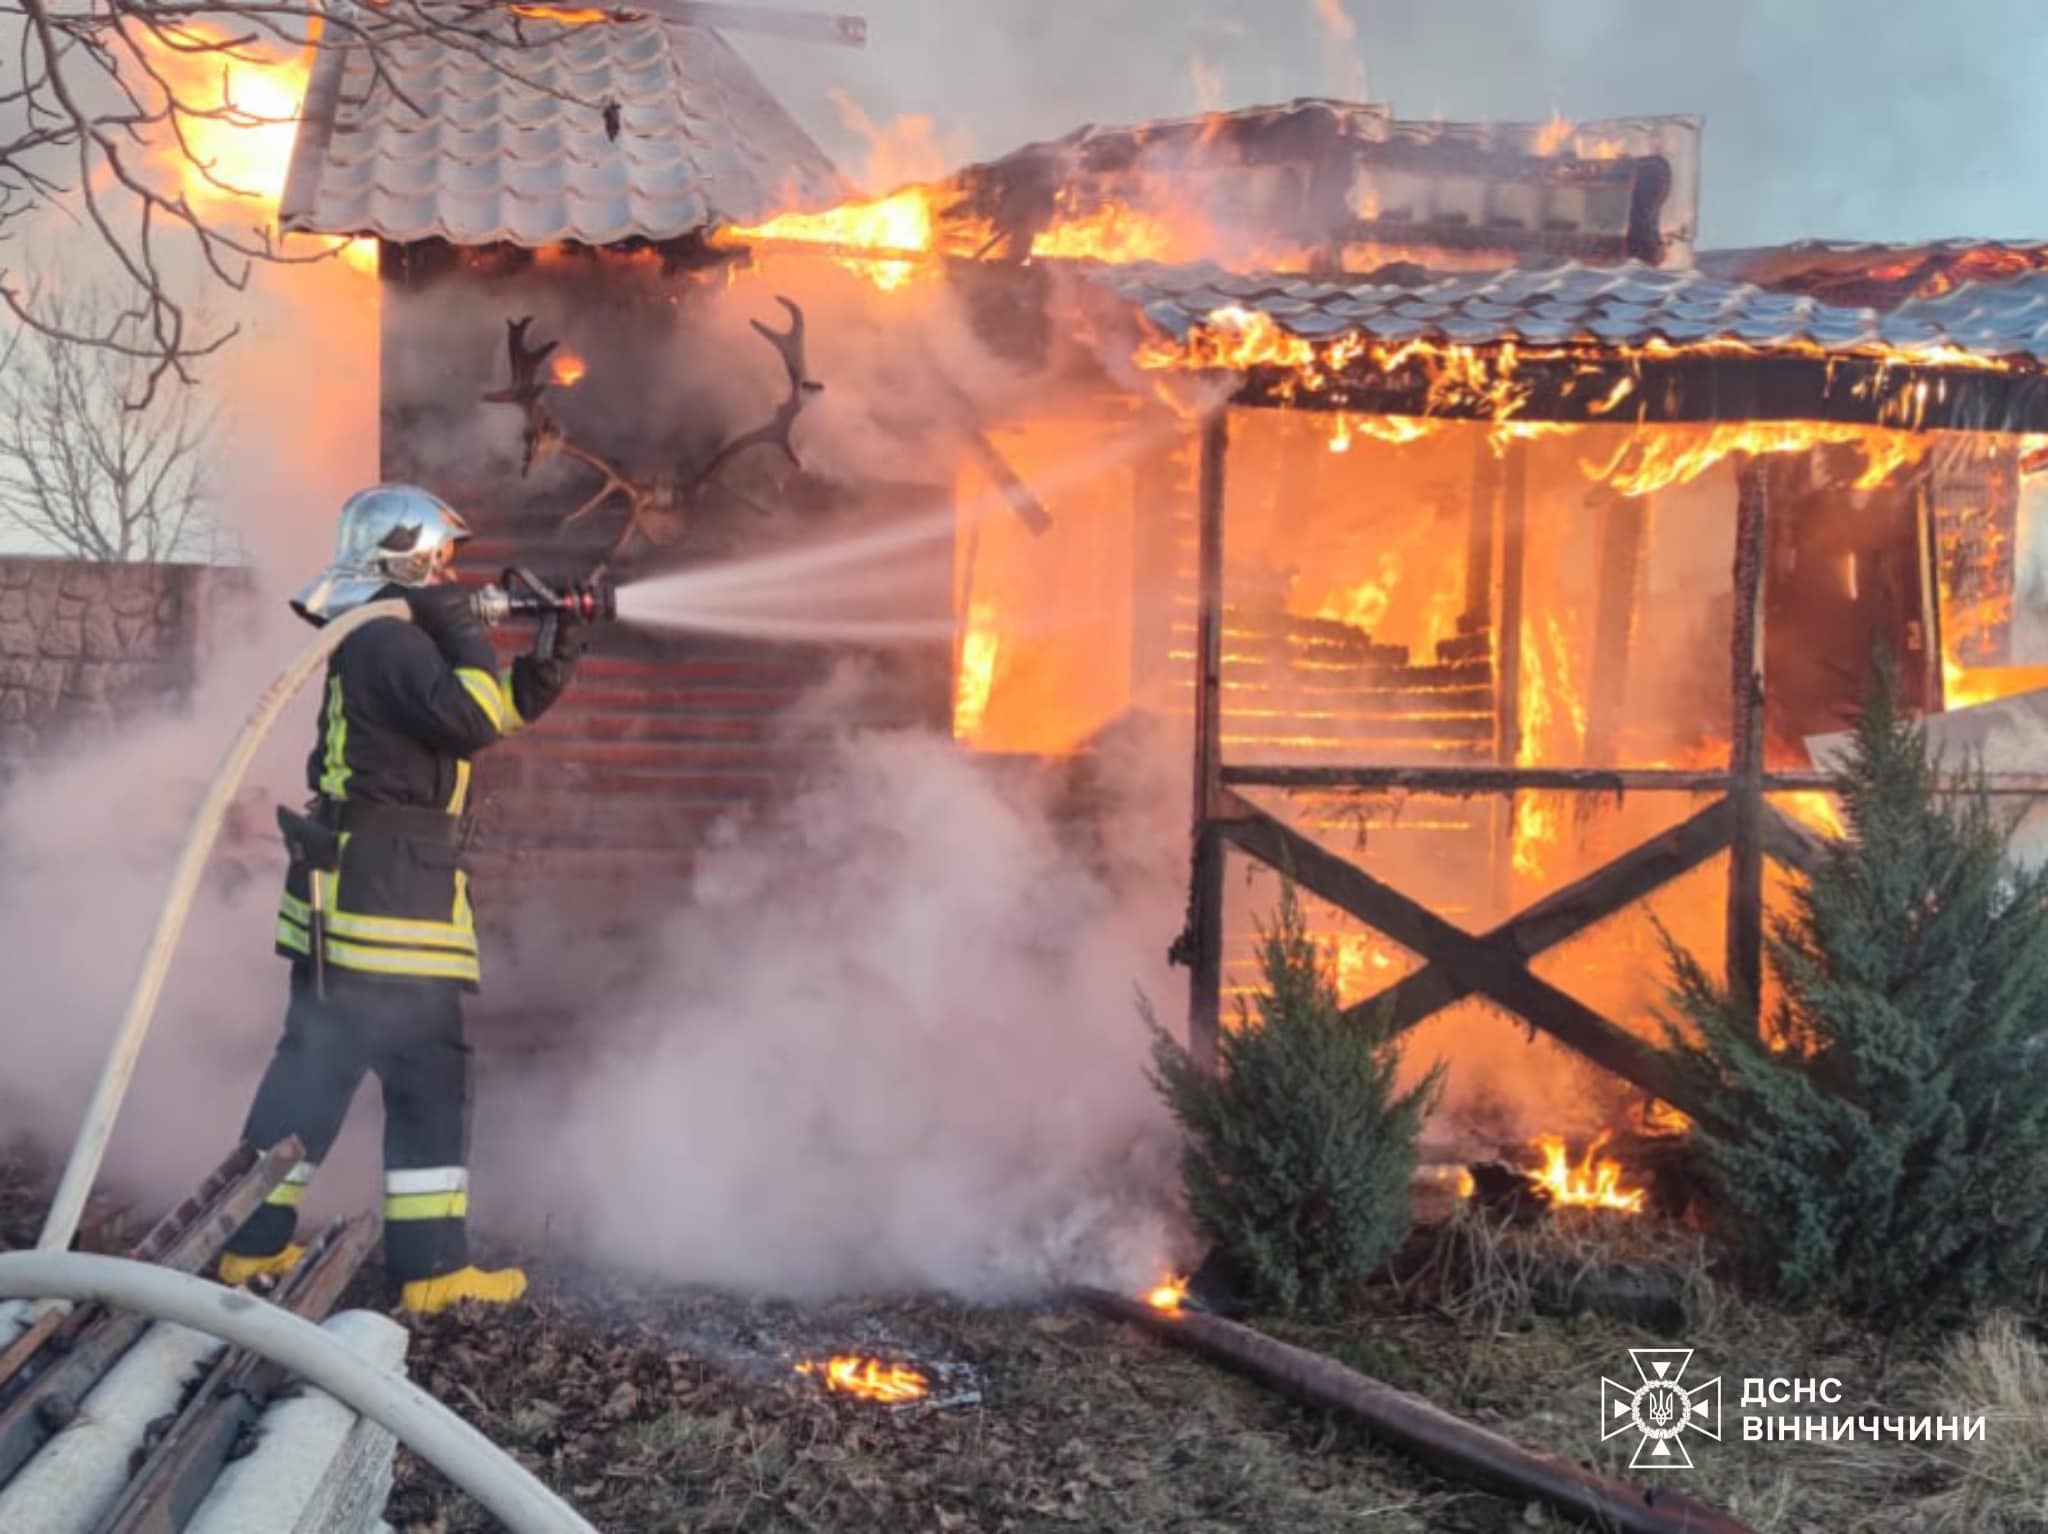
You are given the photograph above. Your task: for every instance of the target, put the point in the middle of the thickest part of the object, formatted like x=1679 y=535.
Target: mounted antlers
x=661 y=495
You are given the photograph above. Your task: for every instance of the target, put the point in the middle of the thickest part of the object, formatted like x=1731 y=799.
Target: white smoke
x=889 y=1039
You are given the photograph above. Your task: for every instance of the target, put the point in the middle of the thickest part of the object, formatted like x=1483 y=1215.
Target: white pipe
x=415 y=1418
x=68 y=1204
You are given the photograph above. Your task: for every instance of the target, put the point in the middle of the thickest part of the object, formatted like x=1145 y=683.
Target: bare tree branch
x=84 y=473
x=105 y=124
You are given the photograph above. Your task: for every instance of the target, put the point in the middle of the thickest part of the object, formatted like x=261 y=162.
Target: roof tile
x=521 y=153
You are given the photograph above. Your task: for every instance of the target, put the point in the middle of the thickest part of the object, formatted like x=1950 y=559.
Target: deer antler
x=545 y=437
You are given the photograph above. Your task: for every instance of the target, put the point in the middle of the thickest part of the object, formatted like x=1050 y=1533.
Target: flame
x=1553 y=724
x=901 y=222
x=977 y=671
x=238 y=116
x=1170 y=1293
x=568 y=368
x=568 y=16
x=1113 y=233
x=1651 y=461
x=1962 y=687
x=1817 y=811
x=869 y=1378
x=1595 y=1183
x=1552 y=136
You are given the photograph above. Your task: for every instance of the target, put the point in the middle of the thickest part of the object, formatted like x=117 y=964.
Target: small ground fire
x=868 y=1379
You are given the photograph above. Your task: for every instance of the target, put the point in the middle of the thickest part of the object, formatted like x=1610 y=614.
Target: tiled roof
x=1613 y=306
x=524 y=154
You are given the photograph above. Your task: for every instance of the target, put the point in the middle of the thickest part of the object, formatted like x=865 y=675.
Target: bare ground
x=658 y=1410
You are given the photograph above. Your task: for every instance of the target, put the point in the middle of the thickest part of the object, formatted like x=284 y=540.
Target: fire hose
x=469 y=1459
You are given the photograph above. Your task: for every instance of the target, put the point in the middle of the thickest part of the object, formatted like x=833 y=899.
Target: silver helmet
x=390 y=535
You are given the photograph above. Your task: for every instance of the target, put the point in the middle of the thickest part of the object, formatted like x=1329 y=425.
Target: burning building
x=1490 y=550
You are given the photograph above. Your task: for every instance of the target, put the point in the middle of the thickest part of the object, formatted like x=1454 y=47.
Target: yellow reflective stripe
x=483 y=687
x=426 y=1206
x=294 y=938
x=334 y=779
x=291 y=908
x=465 y=914
x=459 y=800
x=514 y=721
x=399 y=930
x=287 y=1195
x=404 y=961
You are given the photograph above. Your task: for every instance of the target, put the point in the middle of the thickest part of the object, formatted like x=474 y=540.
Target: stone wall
x=84 y=645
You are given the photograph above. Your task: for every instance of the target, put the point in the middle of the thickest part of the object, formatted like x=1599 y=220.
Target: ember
x=568 y=368
x=868 y=1378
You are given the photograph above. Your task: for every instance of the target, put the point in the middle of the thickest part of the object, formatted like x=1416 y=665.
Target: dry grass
x=1999 y=1371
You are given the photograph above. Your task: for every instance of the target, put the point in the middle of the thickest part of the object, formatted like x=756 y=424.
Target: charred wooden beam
x=1462 y=781
x=1205 y=989
x=1475 y=964
x=1746 y=762
x=1507 y=695
x=1577 y=387
x=1563 y=913
x=1452 y=1447
x=1621 y=524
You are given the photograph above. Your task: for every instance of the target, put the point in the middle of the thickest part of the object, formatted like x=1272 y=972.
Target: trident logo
x=1660 y=1408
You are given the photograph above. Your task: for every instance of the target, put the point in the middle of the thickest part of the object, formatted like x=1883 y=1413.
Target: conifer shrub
x=1882 y=1143
x=1299 y=1149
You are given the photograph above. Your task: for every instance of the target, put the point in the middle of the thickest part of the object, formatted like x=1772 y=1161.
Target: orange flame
x=1170 y=1293
x=977 y=671
x=1817 y=811
x=568 y=16
x=1595 y=1183
x=568 y=368
x=1112 y=233
x=238 y=115
x=869 y=1378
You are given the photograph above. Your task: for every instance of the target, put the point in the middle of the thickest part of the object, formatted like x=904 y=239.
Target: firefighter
x=375 y=916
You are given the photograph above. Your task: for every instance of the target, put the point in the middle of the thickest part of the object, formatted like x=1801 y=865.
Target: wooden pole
x=1934 y=694
x=1205 y=987
x=1746 y=751
x=1479 y=537
x=1458 y=1450
x=1507 y=649
x=1619 y=551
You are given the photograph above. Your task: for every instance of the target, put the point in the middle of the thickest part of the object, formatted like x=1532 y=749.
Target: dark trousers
x=409 y=1032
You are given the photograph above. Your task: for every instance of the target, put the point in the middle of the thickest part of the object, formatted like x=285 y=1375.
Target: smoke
x=890 y=1040
x=1827 y=118
x=87 y=840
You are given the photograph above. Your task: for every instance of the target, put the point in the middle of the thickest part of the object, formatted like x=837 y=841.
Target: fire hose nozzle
x=521 y=594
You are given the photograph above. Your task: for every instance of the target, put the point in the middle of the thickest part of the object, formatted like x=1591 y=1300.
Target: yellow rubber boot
x=235 y=1271
x=497 y=1286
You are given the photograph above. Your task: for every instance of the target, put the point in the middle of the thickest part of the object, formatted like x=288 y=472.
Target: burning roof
x=615 y=127
x=1880 y=276
x=1311 y=184
x=1627 y=306
x=1577 y=342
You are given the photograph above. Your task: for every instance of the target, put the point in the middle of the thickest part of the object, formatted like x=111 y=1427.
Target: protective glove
x=572 y=638
x=444 y=615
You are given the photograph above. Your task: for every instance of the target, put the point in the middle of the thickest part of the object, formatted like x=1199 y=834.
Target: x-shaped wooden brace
x=1496 y=963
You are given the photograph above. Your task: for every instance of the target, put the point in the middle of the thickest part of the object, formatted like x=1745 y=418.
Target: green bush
x=1299 y=1150
x=1884 y=1144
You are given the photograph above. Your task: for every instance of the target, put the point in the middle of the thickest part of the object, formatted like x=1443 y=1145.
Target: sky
x=1851 y=119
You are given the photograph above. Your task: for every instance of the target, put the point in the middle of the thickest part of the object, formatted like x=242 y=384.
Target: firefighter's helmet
x=390 y=535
